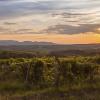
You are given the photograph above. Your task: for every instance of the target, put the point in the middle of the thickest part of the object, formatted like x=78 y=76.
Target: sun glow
x=56 y=38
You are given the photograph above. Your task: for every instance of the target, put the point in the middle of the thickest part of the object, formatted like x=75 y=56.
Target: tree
x=38 y=75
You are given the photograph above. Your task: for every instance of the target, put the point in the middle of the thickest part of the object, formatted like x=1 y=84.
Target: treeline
x=75 y=52
x=30 y=54
x=16 y=54
x=47 y=72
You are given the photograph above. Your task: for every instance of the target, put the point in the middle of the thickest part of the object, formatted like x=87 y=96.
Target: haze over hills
x=47 y=48
x=44 y=46
x=12 y=42
x=16 y=43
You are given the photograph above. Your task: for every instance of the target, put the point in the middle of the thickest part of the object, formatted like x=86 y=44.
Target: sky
x=58 y=21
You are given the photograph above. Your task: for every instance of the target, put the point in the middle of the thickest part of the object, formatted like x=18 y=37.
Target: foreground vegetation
x=47 y=78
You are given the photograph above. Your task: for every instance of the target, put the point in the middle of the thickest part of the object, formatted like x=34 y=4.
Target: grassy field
x=50 y=78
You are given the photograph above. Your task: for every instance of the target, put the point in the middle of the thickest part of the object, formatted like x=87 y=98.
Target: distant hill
x=45 y=47
x=12 y=42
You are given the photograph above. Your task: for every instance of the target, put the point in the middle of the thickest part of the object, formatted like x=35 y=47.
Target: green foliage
x=49 y=71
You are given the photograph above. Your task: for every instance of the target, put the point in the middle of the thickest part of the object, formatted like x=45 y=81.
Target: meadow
x=50 y=78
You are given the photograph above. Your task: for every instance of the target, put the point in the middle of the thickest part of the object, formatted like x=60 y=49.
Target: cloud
x=24 y=31
x=68 y=29
x=16 y=8
x=54 y=16
x=3 y=29
x=9 y=23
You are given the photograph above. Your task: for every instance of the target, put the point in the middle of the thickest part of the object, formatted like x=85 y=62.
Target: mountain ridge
x=13 y=42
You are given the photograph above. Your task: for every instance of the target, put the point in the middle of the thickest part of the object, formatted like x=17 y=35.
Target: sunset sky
x=59 y=21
